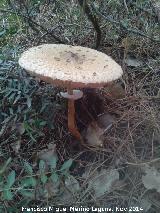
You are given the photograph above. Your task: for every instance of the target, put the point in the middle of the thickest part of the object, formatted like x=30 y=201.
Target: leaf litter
x=49 y=156
x=133 y=62
x=102 y=182
x=94 y=133
x=151 y=179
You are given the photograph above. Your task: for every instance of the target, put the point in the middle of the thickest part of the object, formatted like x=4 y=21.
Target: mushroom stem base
x=71 y=120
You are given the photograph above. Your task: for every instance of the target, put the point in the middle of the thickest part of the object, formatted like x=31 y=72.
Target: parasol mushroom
x=70 y=67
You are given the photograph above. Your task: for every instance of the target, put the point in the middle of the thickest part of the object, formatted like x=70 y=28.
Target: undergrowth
x=40 y=163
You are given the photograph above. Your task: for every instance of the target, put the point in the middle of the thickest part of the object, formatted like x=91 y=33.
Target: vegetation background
x=40 y=163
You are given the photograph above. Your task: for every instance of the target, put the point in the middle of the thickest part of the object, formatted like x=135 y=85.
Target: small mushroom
x=88 y=68
x=72 y=95
x=77 y=94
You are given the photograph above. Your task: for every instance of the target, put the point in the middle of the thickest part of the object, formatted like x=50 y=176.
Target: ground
x=41 y=164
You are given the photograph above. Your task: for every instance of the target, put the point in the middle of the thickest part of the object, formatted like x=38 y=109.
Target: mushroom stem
x=71 y=117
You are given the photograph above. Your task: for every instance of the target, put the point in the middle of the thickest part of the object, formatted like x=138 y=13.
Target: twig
x=93 y=19
x=143 y=163
x=125 y=4
x=31 y=22
x=131 y=30
x=142 y=9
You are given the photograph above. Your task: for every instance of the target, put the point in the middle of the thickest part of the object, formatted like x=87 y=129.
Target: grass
x=33 y=117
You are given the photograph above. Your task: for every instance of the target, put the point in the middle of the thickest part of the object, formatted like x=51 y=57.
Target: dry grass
x=134 y=139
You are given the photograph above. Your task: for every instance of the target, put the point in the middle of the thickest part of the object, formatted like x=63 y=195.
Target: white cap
x=70 y=66
x=77 y=94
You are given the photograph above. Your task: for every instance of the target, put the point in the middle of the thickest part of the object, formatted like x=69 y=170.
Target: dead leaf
x=67 y=197
x=151 y=179
x=145 y=204
x=19 y=127
x=70 y=189
x=16 y=146
x=119 y=184
x=133 y=62
x=96 y=129
x=51 y=188
x=103 y=182
x=93 y=134
x=156 y=5
x=90 y=170
x=105 y=121
x=72 y=184
x=115 y=90
x=49 y=156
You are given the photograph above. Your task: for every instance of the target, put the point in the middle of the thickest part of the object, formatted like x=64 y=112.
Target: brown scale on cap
x=70 y=67
x=71 y=57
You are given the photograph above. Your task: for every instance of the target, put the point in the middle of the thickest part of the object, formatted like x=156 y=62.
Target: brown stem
x=71 y=117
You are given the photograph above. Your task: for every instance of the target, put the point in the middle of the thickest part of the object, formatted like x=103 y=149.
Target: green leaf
x=43 y=123
x=26 y=182
x=53 y=162
x=28 y=168
x=24 y=201
x=29 y=101
x=2 y=32
x=1 y=180
x=125 y=23
x=66 y=165
x=11 y=178
x=7 y=194
x=44 y=178
x=54 y=177
x=42 y=166
x=2 y=209
x=2 y=170
x=27 y=193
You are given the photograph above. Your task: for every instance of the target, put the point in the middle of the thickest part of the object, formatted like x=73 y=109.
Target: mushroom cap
x=70 y=66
